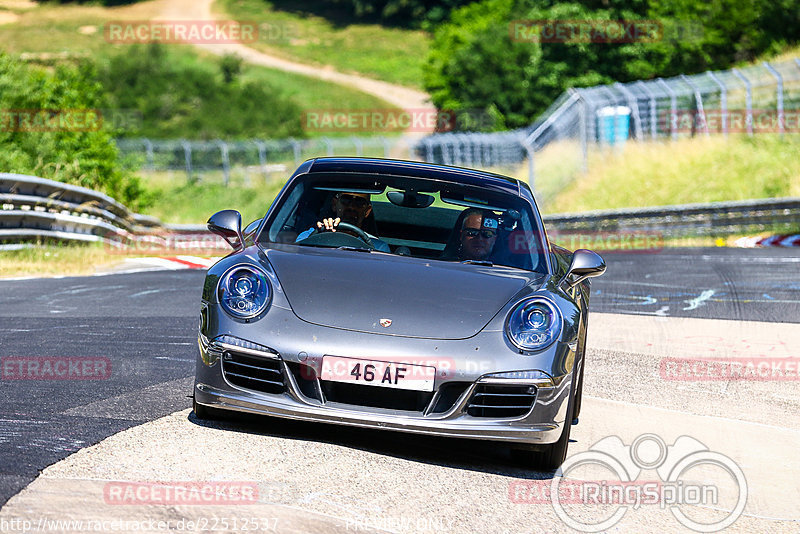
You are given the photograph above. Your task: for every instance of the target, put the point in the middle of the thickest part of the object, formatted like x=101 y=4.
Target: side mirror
x=585 y=264
x=228 y=225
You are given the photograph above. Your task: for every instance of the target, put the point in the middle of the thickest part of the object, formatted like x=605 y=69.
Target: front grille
x=305 y=377
x=253 y=372
x=449 y=393
x=376 y=397
x=498 y=401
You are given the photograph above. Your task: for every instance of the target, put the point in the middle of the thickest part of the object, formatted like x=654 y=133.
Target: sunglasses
x=352 y=200
x=472 y=233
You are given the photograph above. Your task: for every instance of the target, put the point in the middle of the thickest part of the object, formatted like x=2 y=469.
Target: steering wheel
x=360 y=234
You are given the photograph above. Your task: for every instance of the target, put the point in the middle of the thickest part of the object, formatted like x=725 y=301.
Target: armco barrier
x=33 y=208
x=36 y=208
x=714 y=218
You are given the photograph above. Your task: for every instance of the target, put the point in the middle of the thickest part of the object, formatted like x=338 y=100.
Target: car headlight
x=244 y=291
x=534 y=324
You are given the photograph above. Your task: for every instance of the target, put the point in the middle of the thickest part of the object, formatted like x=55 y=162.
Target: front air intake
x=253 y=372
x=499 y=401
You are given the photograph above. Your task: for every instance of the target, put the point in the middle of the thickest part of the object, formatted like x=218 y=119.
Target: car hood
x=422 y=298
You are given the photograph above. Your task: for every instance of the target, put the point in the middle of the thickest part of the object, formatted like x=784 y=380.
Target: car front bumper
x=540 y=425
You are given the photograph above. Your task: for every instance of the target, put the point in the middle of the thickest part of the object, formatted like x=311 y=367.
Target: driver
x=351 y=208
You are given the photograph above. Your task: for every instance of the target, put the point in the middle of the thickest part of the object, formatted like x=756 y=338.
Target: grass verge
x=176 y=200
x=56 y=260
x=47 y=32
x=317 y=34
x=685 y=171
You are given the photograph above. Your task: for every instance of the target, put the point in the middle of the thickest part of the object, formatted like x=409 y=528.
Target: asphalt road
x=144 y=324
x=715 y=283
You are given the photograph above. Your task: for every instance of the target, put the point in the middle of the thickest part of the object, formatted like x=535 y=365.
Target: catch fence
x=750 y=100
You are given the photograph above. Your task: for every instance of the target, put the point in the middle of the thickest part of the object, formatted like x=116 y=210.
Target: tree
x=52 y=127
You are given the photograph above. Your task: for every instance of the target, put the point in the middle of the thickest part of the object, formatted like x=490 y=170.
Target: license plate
x=398 y=375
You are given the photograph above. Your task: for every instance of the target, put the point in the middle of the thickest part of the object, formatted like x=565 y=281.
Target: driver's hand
x=328 y=225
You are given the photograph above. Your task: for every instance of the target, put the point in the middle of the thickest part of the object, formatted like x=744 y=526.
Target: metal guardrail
x=33 y=208
x=37 y=208
x=714 y=218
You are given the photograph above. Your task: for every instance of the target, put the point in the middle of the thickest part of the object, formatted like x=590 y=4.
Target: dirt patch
x=17 y=4
x=6 y=17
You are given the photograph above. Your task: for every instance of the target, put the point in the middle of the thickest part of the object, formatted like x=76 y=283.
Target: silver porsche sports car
x=402 y=296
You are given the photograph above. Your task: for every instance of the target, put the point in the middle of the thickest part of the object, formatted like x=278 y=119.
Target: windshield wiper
x=487 y=263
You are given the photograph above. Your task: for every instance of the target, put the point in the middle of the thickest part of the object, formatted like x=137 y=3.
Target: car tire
x=552 y=456
x=549 y=457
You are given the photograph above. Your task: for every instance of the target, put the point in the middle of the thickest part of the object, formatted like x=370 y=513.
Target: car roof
x=416 y=169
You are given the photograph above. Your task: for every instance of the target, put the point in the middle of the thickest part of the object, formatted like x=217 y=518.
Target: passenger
x=473 y=237
x=478 y=235
x=352 y=208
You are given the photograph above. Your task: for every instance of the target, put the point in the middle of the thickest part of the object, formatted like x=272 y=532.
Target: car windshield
x=413 y=217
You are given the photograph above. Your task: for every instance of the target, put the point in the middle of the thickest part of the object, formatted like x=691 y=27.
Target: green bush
x=729 y=32
x=82 y=154
x=475 y=64
x=408 y=13
x=178 y=96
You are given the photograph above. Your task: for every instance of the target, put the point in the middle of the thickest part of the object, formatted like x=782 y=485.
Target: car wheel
x=552 y=456
x=204 y=412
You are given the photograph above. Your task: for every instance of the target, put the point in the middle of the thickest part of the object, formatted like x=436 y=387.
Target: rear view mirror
x=585 y=264
x=228 y=225
x=409 y=199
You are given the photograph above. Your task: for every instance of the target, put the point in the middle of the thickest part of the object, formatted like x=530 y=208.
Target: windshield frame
x=263 y=240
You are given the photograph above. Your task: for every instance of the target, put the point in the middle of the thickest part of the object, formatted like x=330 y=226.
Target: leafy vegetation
x=75 y=31
x=410 y=13
x=478 y=59
x=191 y=99
x=50 y=127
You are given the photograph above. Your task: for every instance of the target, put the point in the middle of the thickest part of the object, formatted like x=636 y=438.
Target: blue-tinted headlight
x=534 y=324
x=244 y=291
